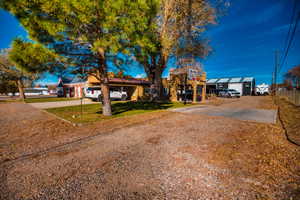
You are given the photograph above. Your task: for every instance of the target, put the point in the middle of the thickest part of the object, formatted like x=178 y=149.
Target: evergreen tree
x=11 y=77
x=105 y=27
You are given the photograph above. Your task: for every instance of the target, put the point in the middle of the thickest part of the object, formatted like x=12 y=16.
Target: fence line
x=292 y=96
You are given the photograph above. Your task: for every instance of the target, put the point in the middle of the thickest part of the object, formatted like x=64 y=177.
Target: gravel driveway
x=166 y=156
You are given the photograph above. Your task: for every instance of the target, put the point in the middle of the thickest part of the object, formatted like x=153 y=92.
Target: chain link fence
x=292 y=96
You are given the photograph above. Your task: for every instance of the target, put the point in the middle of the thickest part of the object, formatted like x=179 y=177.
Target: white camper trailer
x=262 y=89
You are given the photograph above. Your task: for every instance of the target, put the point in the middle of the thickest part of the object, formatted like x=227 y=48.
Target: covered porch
x=135 y=88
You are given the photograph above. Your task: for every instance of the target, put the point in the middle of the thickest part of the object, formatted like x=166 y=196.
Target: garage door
x=236 y=86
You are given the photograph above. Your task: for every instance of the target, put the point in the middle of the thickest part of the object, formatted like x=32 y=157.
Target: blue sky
x=243 y=41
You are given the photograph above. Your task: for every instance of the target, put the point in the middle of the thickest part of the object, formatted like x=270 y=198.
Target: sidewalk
x=57 y=104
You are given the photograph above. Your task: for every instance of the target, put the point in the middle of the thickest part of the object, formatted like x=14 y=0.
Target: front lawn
x=48 y=99
x=92 y=112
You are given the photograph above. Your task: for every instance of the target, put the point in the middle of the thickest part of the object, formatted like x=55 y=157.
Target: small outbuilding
x=71 y=87
x=244 y=85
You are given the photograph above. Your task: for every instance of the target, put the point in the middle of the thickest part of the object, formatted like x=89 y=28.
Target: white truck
x=229 y=93
x=262 y=89
x=95 y=94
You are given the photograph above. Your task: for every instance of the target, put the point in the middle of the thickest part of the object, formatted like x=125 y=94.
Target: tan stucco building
x=135 y=88
x=180 y=81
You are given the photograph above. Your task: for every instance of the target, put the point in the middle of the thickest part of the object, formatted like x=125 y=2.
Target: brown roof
x=129 y=81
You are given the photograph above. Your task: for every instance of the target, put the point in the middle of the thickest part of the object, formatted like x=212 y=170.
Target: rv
x=262 y=89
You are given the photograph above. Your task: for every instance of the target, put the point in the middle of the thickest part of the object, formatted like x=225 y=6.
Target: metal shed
x=245 y=85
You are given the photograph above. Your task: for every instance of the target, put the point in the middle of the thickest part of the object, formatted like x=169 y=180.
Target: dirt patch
x=267 y=103
x=290 y=117
x=218 y=101
x=267 y=159
x=256 y=102
x=25 y=130
x=154 y=140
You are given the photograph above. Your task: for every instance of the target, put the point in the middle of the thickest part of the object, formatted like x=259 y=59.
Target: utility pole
x=276 y=70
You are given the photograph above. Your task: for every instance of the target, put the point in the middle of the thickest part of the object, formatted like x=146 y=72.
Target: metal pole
x=81 y=90
x=276 y=69
x=185 y=86
x=81 y=111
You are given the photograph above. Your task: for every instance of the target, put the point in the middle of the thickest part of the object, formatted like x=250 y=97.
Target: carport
x=133 y=87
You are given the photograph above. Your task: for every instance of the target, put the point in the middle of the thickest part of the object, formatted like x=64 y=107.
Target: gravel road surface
x=161 y=155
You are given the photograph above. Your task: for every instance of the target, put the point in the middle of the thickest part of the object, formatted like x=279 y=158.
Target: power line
x=290 y=25
x=290 y=42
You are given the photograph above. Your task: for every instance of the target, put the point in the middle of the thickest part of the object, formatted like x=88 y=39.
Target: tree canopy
x=101 y=27
x=108 y=24
x=32 y=58
x=175 y=31
x=11 y=77
x=7 y=69
x=293 y=77
x=26 y=61
x=90 y=33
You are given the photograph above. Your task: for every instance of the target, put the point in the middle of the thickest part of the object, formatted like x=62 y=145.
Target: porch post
x=203 y=93
x=140 y=91
x=134 y=95
x=173 y=93
x=194 y=92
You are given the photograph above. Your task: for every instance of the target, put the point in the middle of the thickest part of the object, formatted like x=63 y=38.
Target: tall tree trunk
x=158 y=82
x=158 y=76
x=106 y=103
x=106 y=107
x=21 y=89
x=154 y=71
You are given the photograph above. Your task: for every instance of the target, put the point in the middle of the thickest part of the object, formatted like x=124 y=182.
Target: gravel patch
x=170 y=156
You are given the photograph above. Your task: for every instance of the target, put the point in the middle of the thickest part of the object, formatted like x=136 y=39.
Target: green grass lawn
x=93 y=112
x=48 y=99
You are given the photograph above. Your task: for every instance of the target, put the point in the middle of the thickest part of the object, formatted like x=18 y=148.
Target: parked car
x=188 y=95
x=217 y=91
x=95 y=94
x=229 y=93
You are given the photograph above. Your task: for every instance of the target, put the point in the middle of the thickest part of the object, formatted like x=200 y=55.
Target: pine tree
x=105 y=27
